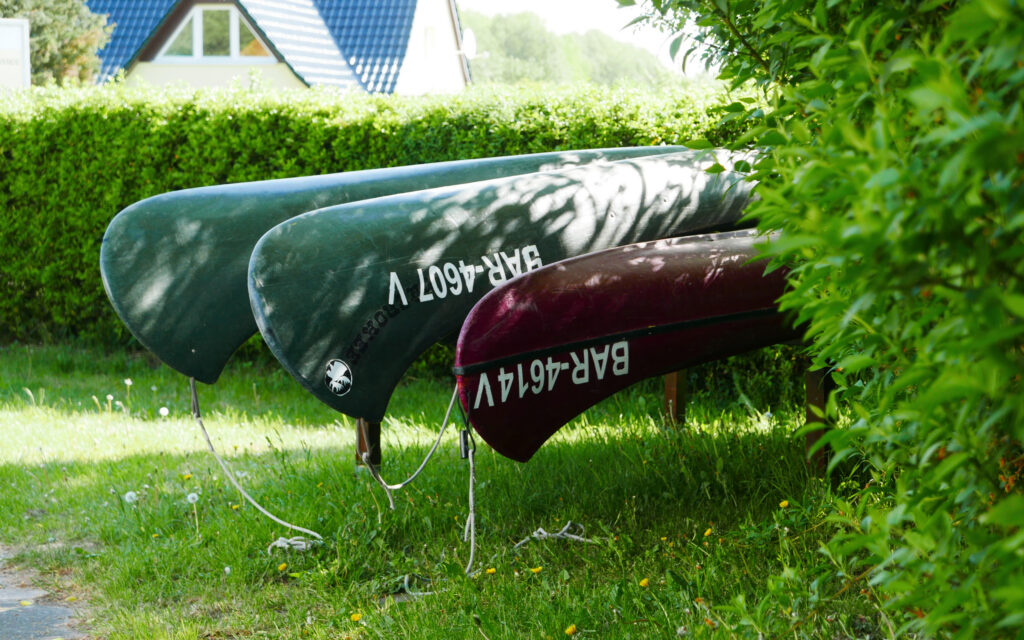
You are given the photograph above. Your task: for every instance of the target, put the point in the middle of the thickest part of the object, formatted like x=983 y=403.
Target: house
x=376 y=46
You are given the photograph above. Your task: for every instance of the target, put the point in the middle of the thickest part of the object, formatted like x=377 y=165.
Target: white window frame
x=234 y=31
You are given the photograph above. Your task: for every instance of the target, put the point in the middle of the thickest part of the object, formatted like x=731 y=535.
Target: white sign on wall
x=15 y=70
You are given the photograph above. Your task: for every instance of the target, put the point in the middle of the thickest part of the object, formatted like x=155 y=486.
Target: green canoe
x=348 y=296
x=174 y=265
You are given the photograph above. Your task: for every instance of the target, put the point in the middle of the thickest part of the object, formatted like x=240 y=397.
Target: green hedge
x=73 y=158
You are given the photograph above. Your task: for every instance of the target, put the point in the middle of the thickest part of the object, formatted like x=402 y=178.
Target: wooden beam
x=676 y=393
x=818 y=384
x=368 y=441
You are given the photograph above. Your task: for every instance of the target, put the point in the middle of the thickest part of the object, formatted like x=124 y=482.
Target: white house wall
x=432 y=61
x=277 y=76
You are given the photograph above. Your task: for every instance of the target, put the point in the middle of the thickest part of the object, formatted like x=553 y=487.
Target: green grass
x=693 y=511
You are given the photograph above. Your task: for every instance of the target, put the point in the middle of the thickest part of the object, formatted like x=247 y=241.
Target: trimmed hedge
x=71 y=159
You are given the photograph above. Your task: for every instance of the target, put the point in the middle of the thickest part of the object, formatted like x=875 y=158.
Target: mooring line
x=297 y=543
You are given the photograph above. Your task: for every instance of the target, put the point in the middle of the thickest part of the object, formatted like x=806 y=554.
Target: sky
x=568 y=16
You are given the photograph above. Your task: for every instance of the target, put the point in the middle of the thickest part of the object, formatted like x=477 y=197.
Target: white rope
x=541 y=534
x=388 y=488
x=470 y=530
x=298 y=543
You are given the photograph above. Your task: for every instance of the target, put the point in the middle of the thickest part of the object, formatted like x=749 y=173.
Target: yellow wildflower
x=663 y=538
x=282 y=566
x=356 y=617
x=491 y=571
x=570 y=630
x=536 y=569
x=784 y=504
x=234 y=507
x=708 y=532
x=188 y=476
x=645 y=582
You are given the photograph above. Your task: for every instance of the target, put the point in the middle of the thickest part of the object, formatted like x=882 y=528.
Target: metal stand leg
x=368 y=440
x=675 y=396
x=818 y=385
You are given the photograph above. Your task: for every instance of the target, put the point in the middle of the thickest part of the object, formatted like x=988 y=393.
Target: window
x=215 y=33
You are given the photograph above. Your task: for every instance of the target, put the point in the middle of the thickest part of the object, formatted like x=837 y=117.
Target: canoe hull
x=373 y=284
x=537 y=351
x=174 y=265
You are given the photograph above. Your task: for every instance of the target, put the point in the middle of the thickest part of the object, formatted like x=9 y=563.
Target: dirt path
x=28 y=612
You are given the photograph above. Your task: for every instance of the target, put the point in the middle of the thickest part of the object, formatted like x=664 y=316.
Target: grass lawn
x=696 y=532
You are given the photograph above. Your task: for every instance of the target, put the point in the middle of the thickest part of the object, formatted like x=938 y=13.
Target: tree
x=891 y=159
x=64 y=37
x=519 y=47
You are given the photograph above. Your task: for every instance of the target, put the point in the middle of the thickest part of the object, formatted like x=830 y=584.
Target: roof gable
x=330 y=42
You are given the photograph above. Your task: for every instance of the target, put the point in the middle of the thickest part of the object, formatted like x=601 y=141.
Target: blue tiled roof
x=134 y=22
x=332 y=42
x=373 y=35
x=296 y=29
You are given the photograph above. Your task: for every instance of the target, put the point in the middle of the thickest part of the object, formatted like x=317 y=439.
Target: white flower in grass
x=192 y=498
x=109 y=397
x=127 y=382
x=131 y=497
x=227 y=570
x=164 y=412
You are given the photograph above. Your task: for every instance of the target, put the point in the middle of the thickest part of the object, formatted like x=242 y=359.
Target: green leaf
x=855 y=363
x=1008 y=512
x=1015 y=303
x=673 y=48
x=699 y=143
x=884 y=178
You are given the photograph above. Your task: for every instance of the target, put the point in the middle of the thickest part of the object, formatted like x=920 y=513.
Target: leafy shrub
x=893 y=156
x=73 y=158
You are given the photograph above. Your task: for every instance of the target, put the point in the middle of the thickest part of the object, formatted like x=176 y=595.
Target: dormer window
x=215 y=33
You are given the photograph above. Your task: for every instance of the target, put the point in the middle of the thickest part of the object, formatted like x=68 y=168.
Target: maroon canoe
x=541 y=348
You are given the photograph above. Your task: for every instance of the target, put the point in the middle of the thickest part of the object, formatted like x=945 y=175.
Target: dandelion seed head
x=164 y=412
x=192 y=498
x=227 y=570
x=127 y=382
x=130 y=497
x=109 y=397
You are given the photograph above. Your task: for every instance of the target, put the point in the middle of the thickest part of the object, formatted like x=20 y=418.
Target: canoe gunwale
x=479 y=367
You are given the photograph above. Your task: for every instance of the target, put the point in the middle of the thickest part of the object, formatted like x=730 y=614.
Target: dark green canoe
x=348 y=296
x=174 y=265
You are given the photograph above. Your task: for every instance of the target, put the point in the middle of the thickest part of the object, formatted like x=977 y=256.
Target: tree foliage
x=64 y=37
x=519 y=47
x=893 y=154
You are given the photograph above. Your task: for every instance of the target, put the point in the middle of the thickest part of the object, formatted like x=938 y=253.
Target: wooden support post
x=368 y=440
x=675 y=396
x=818 y=384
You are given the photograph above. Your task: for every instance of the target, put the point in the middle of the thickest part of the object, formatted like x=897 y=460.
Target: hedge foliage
x=70 y=159
x=894 y=163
